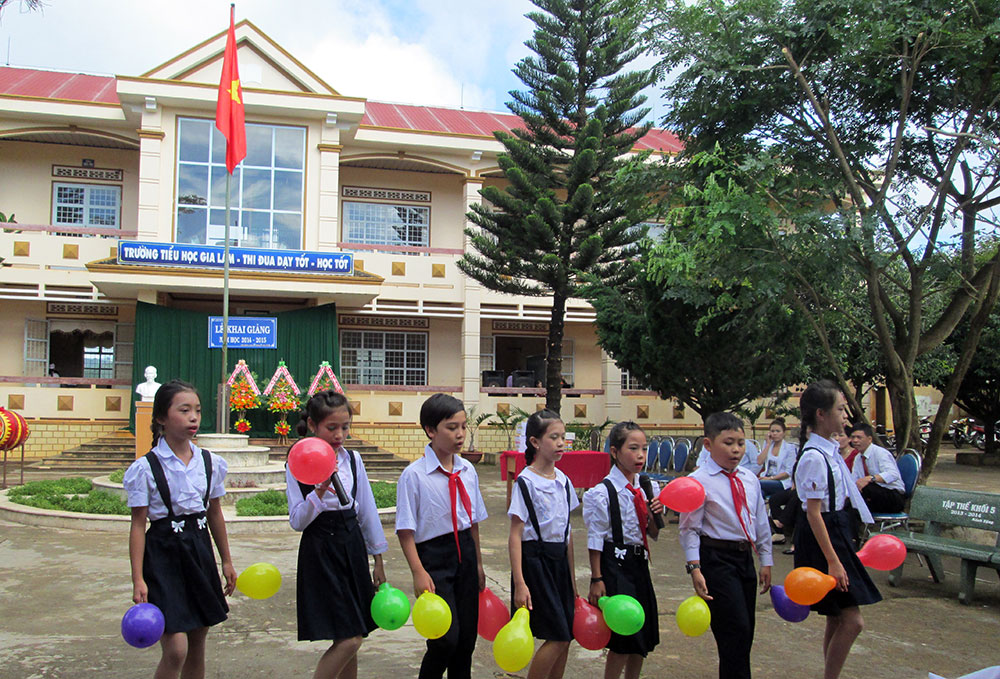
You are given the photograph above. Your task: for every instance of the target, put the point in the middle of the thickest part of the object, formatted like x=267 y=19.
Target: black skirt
x=629 y=574
x=180 y=572
x=545 y=567
x=333 y=588
x=840 y=526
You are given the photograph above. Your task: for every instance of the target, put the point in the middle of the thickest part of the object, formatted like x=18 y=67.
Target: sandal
x=790 y=550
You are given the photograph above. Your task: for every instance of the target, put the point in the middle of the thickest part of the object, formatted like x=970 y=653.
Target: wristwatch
x=691 y=567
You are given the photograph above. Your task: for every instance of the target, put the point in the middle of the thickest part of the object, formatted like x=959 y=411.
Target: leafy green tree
x=863 y=134
x=709 y=361
x=565 y=212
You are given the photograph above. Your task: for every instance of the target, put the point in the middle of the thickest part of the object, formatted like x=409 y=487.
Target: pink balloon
x=312 y=460
x=493 y=615
x=683 y=494
x=883 y=552
x=589 y=628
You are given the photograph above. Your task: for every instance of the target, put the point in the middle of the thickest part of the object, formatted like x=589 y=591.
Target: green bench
x=940 y=508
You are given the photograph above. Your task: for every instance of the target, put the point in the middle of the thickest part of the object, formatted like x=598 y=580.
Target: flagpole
x=225 y=288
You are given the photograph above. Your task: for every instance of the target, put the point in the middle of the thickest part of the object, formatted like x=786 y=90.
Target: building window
x=99 y=360
x=86 y=205
x=266 y=189
x=631 y=383
x=84 y=348
x=392 y=358
x=521 y=359
x=384 y=224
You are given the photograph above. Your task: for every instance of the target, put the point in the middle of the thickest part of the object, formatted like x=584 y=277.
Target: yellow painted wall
x=50 y=437
x=26 y=189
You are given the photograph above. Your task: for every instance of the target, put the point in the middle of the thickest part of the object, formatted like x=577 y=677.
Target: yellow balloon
x=693 y=616
x=431 y=616
x=259 y=581
x=514 y=645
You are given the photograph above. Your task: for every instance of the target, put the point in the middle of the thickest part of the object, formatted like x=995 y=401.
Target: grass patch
x=117 y=476
x=75 y=485
x=93 y=502
x=268 y=503
x=275 y=503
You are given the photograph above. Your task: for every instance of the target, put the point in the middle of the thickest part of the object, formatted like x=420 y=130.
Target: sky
x=434 y=52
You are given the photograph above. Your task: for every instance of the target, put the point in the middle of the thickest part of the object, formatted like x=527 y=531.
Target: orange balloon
x=808 y=586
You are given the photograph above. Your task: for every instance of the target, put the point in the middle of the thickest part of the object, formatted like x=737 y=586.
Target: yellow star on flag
x=234 y=91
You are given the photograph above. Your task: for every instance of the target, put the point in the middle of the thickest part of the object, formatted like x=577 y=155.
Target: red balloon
x=883 y=552
x=493 y=614
x=589 y=628
x=683 y=494
x=312 y=460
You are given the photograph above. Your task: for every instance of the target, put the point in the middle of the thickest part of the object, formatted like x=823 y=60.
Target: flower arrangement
x=244 y=394
x=283 y=398
x=325 y=380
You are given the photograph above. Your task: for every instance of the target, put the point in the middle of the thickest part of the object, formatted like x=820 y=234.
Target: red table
x=585 y=468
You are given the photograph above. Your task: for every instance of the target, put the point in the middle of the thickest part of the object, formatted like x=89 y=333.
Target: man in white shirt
x=876 y=473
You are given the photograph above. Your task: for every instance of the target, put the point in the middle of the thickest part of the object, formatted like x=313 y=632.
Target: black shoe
x=790 y=550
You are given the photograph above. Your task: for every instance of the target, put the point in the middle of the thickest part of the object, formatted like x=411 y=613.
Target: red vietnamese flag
x=229 y=109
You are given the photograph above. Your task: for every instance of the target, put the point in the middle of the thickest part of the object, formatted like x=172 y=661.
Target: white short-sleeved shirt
x=550 y=501
x=186 y=482
x=878 y=460
x=716 y=518
x=423 y=503
x=598 y=518
x=784 y=461
x=302 y=511
x=811 y=477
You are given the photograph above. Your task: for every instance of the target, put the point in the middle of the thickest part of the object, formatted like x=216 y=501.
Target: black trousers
x=732 y=584
x=784 y=506
x=882 y=500
x=457 y=582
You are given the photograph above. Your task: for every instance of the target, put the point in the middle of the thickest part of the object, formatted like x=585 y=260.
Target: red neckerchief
x=456 y=487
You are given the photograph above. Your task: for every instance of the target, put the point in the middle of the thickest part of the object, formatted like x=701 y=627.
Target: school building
x=118 y=188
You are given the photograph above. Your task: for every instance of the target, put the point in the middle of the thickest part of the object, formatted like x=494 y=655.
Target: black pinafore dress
x=545 y=567
x=840 y=527
x=178 y=564
x=333 y=588
x=625 y=570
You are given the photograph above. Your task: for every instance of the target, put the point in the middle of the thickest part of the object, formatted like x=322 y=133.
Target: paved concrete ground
x=63 y=592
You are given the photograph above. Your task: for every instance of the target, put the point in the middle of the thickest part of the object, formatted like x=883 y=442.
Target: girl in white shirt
x=825 y=540
x=333 y=588
x=177 y=486
x=540 y=544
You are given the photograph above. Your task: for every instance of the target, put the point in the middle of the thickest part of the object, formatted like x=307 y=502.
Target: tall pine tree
x=565 y=213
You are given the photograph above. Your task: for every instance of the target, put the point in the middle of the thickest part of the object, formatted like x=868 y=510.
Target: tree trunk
x=553 y=360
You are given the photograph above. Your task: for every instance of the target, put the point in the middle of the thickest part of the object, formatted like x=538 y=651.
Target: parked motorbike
x=978 y=438
x=960 y=431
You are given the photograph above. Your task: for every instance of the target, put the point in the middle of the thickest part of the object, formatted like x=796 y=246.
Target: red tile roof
x=56 y=85
x=95 y=88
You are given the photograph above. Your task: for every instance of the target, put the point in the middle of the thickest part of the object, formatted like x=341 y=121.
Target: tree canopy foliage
x=831 y=141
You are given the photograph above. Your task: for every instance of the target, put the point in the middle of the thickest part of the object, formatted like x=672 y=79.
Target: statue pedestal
x=143 y=435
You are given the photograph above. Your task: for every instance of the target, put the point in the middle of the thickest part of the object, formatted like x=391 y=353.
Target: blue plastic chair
x=666 y=453
x=909 y=468
x=681 y=455
x=607 y=446
x=651 y=453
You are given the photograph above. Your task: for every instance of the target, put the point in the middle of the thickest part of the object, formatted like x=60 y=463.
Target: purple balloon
x=142 y=625
x=785 y=607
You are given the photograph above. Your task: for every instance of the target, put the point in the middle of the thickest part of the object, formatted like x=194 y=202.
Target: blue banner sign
x=245 y=332
x=253 y=259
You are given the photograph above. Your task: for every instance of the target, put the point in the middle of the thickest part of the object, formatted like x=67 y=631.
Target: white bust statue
x=148 y=388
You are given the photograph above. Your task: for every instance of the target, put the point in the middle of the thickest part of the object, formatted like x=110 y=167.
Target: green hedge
x=117 y=476
x=275 y=503
x=75 y=494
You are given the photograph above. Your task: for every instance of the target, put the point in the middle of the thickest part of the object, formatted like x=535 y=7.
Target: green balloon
x=622 y=614
x=390 y=607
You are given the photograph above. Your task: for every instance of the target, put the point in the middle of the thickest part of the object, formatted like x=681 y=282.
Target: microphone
x=647 y=488
x=339 y=487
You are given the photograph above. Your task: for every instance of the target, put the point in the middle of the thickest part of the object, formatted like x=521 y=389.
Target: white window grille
x=86 y=205
x=36 y=347
x=389 y=358
x=385 y=224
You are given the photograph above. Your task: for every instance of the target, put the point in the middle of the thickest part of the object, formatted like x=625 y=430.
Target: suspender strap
x=161 y=482
x=163 y=488
x=526 y=495
x=614 y=513
x=830 y=485
x=207 y=457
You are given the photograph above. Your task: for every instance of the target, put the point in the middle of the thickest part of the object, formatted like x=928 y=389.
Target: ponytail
x=536 y=426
